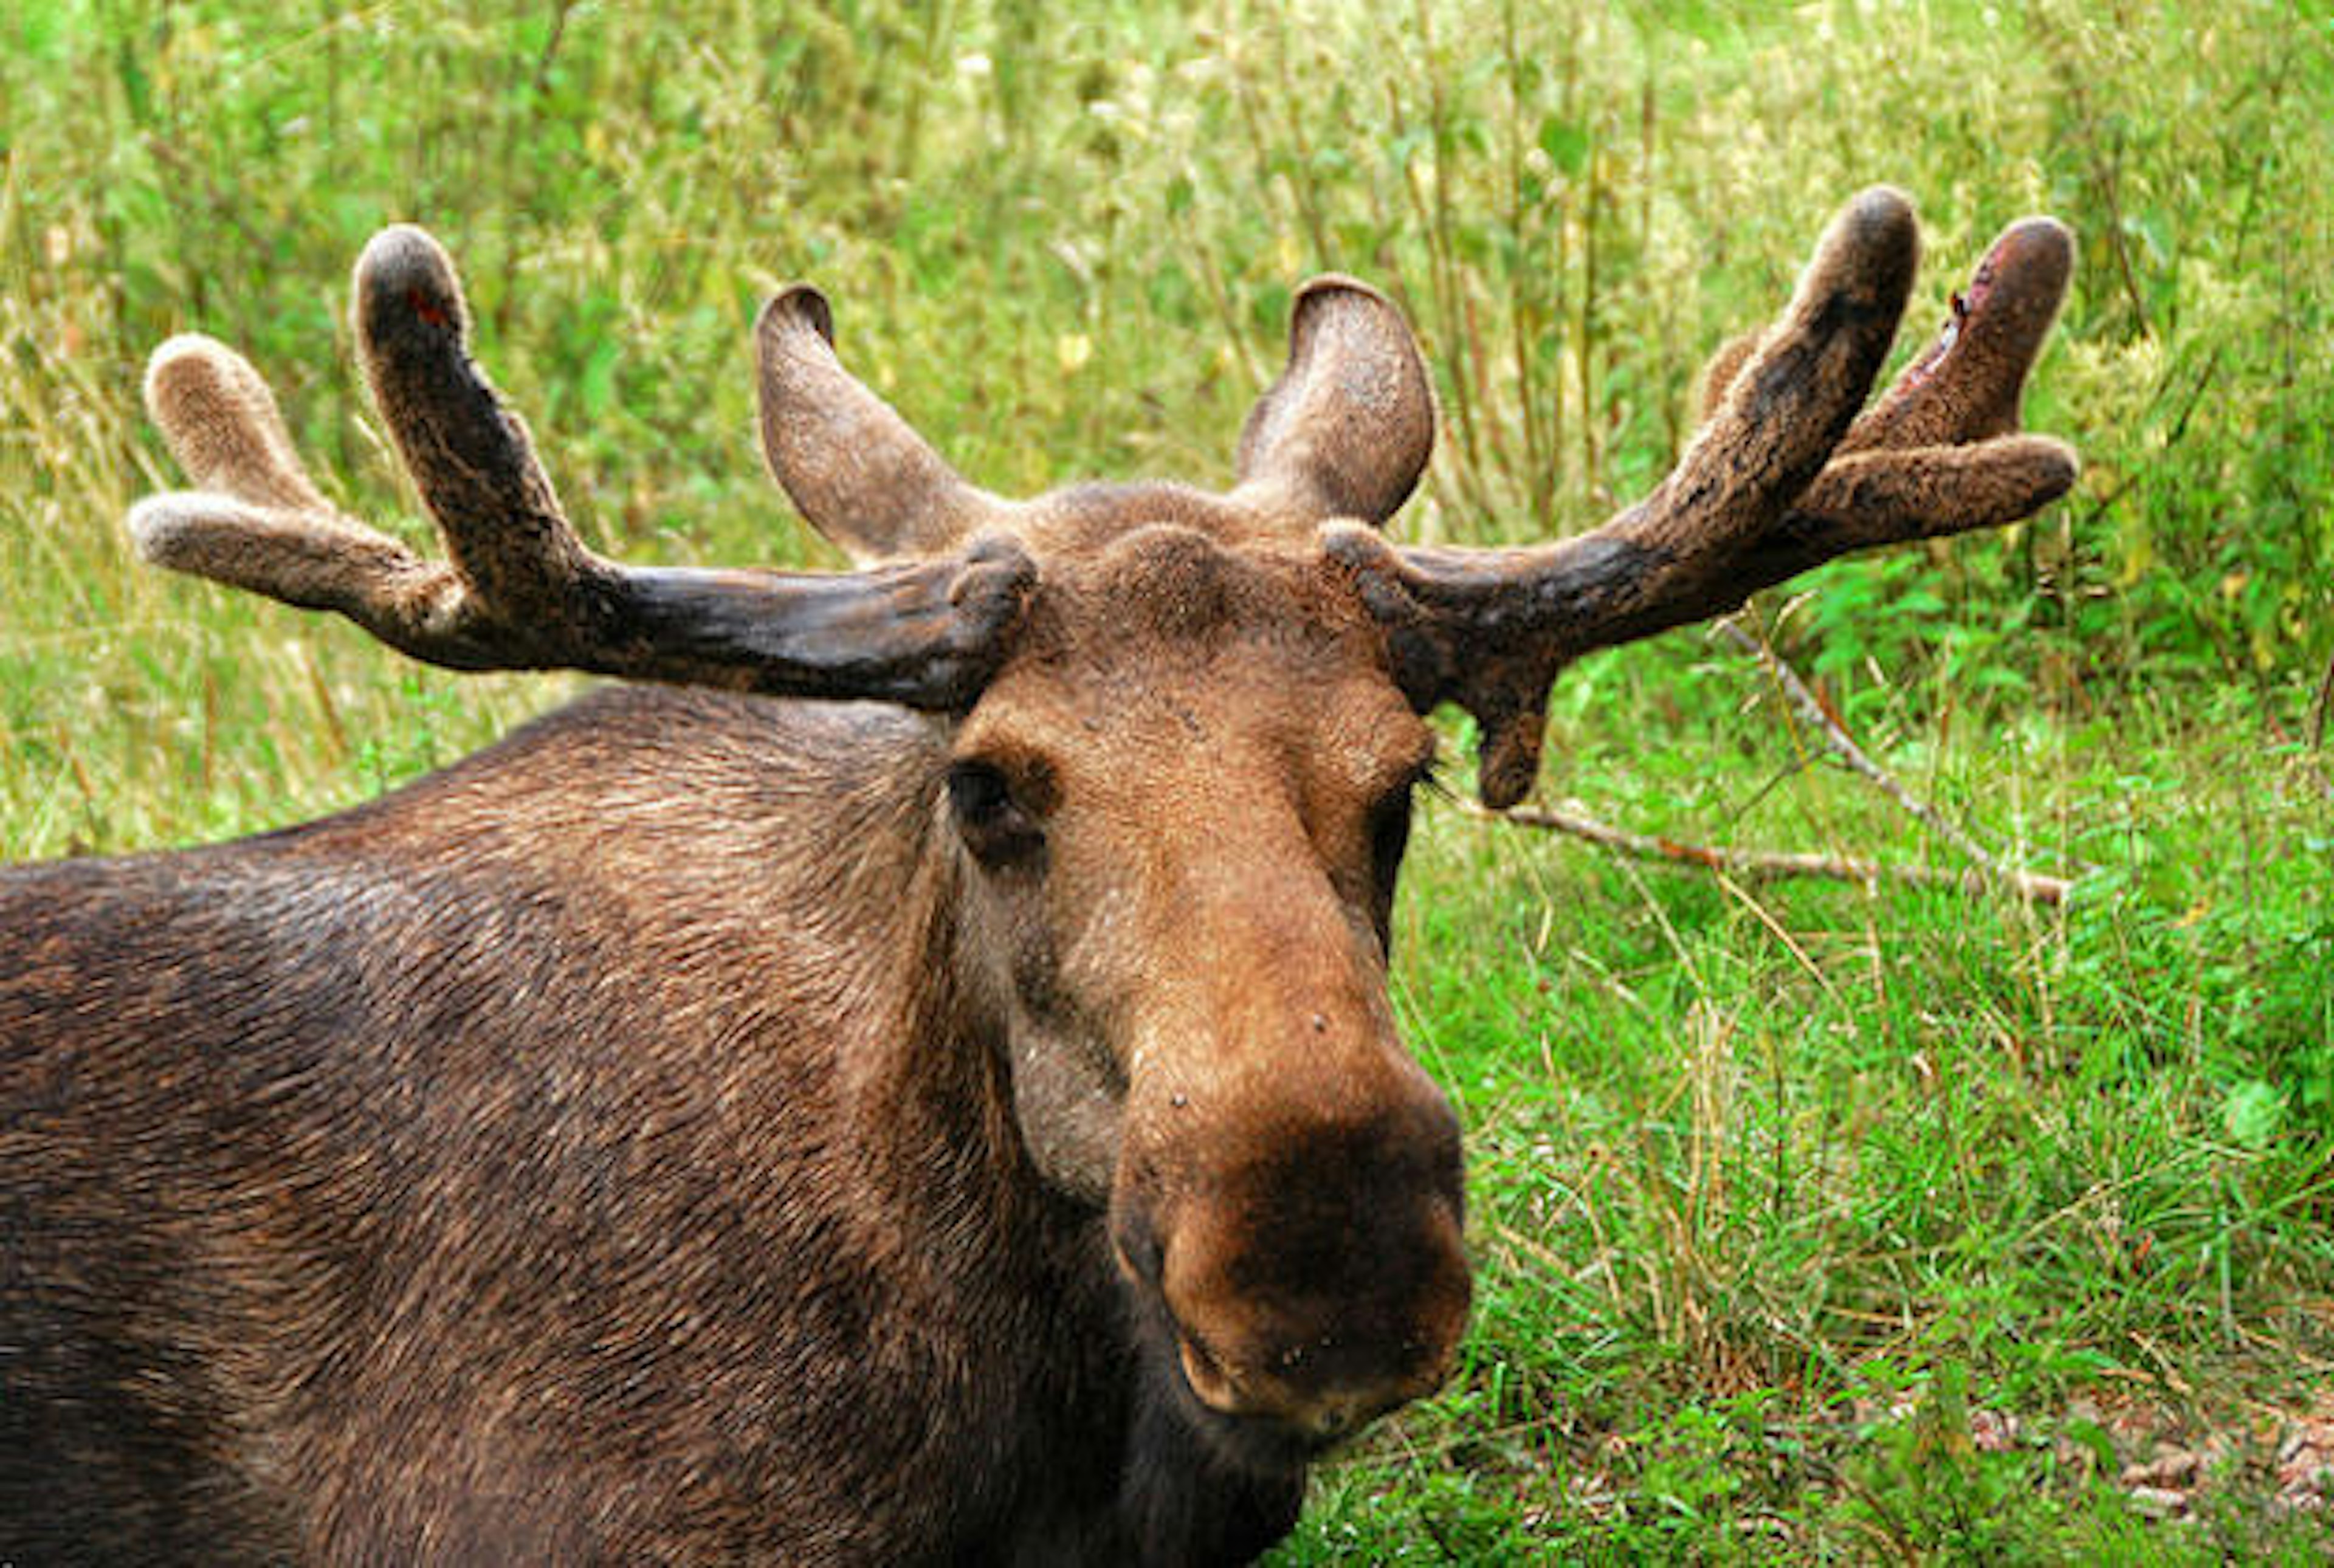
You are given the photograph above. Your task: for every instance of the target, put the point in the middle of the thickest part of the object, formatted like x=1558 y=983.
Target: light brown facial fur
x=1207 y=772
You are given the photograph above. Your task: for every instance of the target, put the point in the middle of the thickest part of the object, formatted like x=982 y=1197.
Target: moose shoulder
x=928 y=1094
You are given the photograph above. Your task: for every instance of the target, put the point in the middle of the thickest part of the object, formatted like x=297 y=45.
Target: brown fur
x=323 y=1245
x=607 y=1148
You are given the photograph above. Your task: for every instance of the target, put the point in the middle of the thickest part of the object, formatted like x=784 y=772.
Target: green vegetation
x=1817 y=1222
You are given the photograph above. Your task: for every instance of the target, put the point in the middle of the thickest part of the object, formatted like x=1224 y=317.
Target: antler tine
x=1792 y=401
x=1936 y=454
x=1967 y=384
x=469 y=456
x=520 y=590
x=258 y=522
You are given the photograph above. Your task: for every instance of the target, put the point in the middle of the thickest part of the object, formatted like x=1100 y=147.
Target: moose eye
x=992 y=823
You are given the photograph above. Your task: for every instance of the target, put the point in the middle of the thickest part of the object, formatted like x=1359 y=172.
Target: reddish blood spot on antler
x=428 y=309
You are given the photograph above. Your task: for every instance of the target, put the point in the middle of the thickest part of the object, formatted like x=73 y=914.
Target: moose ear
x=860 y=475
x=1347 y=428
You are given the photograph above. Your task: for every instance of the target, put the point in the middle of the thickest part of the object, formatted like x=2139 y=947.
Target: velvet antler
x=1782 y=477
x=519 y=589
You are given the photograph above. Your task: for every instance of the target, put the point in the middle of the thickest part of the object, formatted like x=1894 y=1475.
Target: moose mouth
x=1278 y=1321
x=1259 y=1444
x=1323 y=1427
x=1188 y=1377
x=1179 y=1363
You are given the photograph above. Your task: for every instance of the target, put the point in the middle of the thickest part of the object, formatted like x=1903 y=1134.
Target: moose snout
x=1314 y=1275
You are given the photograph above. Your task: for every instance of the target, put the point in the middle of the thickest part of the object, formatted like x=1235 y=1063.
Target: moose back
x=909 y=1079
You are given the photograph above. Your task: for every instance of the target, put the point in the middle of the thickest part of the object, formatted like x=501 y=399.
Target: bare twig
x=1767 y=864
x=550 y=55
x=1813 y=709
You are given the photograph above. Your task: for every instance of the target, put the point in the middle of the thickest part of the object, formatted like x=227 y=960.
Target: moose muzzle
x=1304 y=1242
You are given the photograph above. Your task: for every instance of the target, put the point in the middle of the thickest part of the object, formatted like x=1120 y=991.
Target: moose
x=906 y=1074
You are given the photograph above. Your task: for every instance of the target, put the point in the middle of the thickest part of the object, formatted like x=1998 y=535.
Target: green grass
x=1784 y=1194
x=1749 y=1159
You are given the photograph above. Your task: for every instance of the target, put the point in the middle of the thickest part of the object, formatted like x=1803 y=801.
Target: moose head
x=1143 y=840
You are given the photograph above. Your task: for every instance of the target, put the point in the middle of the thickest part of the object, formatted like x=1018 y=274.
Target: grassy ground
x=1815 y=1222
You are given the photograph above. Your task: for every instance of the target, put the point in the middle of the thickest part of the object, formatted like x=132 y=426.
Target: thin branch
x=550 y=55
x=1813 y=709
x=2325 y=702
x=1769 y=864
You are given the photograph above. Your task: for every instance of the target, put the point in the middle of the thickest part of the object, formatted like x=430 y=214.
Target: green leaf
x=1565 y=142
x=2252 y=1113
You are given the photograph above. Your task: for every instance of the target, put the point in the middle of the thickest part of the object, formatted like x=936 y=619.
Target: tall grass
x=1780 y=1193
